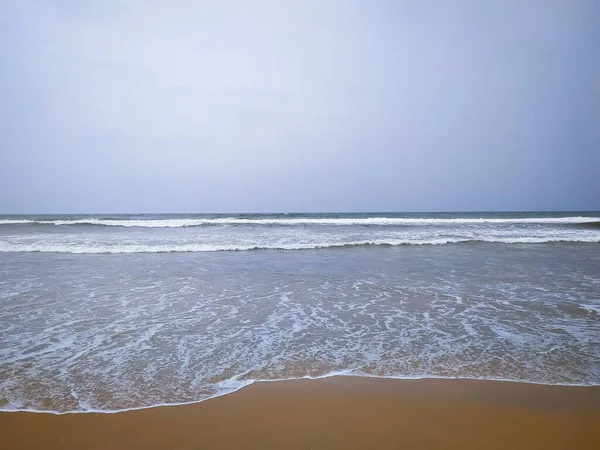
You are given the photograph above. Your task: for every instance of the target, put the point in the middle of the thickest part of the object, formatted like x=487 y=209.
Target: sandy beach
x=338 y=412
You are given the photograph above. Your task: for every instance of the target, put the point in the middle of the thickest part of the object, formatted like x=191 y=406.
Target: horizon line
x=308 y=212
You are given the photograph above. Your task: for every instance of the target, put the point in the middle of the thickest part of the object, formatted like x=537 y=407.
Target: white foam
x=177 y=223
x=108 y=333
x=591 y=308
x=16 y=221
x=55 y=247
x=234 y=384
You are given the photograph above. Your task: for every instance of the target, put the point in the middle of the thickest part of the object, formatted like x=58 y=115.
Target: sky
x=281 y=106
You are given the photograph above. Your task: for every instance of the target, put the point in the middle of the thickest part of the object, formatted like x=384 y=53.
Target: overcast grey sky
x=254 y=106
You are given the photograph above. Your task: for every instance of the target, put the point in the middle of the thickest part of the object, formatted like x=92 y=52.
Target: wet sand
x=335 y=413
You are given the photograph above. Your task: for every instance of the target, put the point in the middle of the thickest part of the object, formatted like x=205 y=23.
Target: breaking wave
x=382 y=221
x=193 y=248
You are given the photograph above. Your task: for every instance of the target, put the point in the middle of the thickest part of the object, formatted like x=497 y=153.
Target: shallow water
x=96 y=330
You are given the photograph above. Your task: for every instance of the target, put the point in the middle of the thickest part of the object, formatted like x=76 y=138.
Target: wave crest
x=383 y=221
x=198 y=248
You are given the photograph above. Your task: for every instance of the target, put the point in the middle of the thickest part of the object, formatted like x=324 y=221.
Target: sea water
x=113 y=312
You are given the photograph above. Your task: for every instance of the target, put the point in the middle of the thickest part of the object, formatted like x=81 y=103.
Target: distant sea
x=113 y=312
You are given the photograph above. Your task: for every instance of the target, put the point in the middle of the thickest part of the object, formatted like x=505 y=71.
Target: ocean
x=116 y=312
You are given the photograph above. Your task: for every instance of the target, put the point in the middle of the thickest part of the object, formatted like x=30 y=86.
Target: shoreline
x=284 y=380
x=334 y=412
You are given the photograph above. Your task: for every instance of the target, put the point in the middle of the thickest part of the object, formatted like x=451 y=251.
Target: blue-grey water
x=116 y=312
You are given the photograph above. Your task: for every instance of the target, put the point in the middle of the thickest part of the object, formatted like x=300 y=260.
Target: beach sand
x=335 y=413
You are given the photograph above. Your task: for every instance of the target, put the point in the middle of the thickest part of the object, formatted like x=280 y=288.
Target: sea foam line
x=42 y=247
x=383 y=221
x=235 y=384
